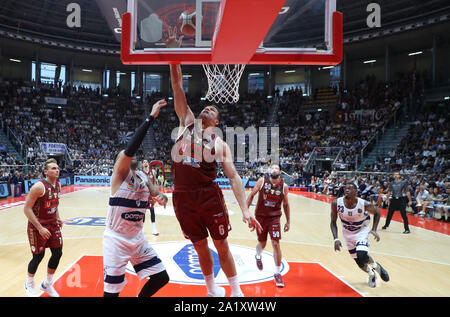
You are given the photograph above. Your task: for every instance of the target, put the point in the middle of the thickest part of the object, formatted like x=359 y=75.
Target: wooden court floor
x=418 y=263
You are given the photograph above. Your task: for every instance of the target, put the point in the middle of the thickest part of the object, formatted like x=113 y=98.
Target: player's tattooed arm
x=254 y=191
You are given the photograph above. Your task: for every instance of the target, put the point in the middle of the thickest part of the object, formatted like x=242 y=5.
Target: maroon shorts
x=38 y=243
x=271 y=226
x=201 y=210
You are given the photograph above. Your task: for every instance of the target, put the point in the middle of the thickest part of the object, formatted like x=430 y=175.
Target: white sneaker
x=29 y=290
x=49 y=289
x=372 y=279
x=154 y=230
x=219 y=292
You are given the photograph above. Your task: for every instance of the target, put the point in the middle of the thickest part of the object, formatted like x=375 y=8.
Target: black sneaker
x=406 y=231
x=372 y=279
x=383 y=273
x=259 y=263
x=384 y=227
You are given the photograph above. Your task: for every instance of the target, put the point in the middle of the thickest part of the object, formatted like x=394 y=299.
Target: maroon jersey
x=46 y=206
x=193 y=162
x=270 y=198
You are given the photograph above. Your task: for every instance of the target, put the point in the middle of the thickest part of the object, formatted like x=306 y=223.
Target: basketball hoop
x=223 y=82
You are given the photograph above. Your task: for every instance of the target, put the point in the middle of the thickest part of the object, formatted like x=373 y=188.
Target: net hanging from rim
x=223 y=82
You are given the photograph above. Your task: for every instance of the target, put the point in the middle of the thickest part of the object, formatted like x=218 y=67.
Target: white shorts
x=117 y=251
x=357 y=241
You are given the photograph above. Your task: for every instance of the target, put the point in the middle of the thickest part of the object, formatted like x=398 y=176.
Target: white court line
x=247 y=239
x=64 y=271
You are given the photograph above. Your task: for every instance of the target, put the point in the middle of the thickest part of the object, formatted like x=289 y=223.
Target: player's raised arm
x=182 y=109
x=122 y=164
x=223 y=153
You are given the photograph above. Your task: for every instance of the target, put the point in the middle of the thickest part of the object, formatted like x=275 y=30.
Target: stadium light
x=370 y=61
x=290 y=71
x=415 y=53
x=15 y=60
x=327 y=67
x=87 y=70
x=446 y=98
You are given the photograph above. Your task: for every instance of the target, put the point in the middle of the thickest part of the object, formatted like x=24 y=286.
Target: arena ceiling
x=47 y=18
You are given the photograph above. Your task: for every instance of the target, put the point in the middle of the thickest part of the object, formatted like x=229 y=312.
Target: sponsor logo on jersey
x=134 y=216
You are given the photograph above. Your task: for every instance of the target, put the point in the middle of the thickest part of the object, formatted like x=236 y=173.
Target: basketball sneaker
x=278 y=280
x=382 y=272
x=372 y=279
x=49 y=289
x=29 y=289
x=219 y=292
x=154 y=230
x=259 y=263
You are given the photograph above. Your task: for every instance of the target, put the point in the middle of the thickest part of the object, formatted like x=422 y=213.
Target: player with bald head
x=355 y=219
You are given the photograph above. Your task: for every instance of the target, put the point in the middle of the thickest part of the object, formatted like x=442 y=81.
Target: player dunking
x=198 y=201
x=151 y=202
x=44 y=227
x=272 y=193
x=354 y=215
x=123 y=238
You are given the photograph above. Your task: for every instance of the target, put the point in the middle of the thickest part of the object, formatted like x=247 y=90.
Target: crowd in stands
x=430 y=196
x=95 y=128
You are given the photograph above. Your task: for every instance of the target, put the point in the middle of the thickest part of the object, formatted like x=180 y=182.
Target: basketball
x=186 y=23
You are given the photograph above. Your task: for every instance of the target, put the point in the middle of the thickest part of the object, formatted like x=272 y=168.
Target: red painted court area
x=85 y=279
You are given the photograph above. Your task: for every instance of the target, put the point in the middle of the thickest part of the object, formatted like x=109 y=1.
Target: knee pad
x=54 y=259
x=362 y=258
x=34 y=263
x=154 y=284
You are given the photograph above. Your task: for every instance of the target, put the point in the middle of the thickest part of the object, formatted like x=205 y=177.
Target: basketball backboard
x=302 y=32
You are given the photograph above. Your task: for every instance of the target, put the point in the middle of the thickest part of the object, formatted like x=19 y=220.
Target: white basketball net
x=223 y=82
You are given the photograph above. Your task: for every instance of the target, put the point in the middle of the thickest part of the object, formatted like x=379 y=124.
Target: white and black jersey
x=123 y=239
x=127 y=207
x=355 y=225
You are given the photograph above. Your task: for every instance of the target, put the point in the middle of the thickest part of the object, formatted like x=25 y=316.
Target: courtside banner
x=29 y=183
x=225 y=182
x=92 y=180
x=4 y=192
x=65 y=181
